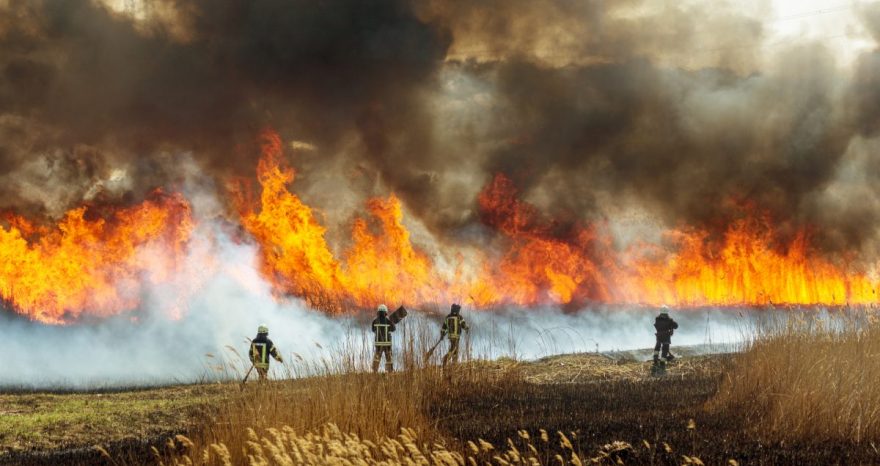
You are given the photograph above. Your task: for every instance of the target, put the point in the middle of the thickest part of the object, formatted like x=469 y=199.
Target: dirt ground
x=596 y=398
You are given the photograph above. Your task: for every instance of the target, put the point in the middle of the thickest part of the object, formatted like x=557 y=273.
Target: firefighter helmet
x=263 y=328
x=382 y=309
x=455 y=309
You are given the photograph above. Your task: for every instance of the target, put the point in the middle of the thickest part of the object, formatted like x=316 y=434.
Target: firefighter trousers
x=380 y=350
x=662 y=344
x=452 y=354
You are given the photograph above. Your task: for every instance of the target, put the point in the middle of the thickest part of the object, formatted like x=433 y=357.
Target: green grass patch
x=44 y=421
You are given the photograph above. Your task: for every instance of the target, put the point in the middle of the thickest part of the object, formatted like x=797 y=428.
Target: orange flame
x=297 y=259
x=99 y=265
x=539 y=266
x=535 y=261
x=91 y=265
x=745 y=269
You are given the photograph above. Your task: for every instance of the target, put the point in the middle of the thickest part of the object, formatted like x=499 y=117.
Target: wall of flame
x=94 y=264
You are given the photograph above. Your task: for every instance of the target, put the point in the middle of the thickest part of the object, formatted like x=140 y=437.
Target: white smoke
x=184 y=330
x=152 y=348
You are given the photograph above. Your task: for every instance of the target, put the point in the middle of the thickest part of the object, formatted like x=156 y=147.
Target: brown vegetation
x=809 y=380
x=799 y=394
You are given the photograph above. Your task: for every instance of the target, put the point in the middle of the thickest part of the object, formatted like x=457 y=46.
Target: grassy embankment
x=48 y=421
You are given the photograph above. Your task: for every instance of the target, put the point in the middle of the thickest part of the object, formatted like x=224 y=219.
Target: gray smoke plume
x=678 y=109
x=76 y=74
x=672 y=105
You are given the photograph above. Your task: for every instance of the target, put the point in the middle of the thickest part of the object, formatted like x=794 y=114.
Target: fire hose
x=431 y=351
x=246 y=376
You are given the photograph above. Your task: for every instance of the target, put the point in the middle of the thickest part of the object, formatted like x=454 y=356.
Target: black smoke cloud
x=578 y=102
x=676 y=109
x=77 y=74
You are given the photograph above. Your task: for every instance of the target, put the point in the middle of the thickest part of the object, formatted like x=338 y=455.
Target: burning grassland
x=92 y=261
x=177 y=173
x=98 y=261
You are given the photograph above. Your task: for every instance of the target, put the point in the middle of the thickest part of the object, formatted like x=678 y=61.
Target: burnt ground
x=651 y=414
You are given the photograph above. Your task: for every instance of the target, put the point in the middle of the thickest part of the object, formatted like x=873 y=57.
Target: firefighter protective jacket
x=665 y=325
x=382 y=328
x=453 y=325
x=261 y=348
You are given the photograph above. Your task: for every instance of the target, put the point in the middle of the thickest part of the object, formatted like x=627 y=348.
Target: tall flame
x=538 y=265
x=99 y=263
x=535 y=260
x=92 y=265
x=745 y=269
x=297 y=259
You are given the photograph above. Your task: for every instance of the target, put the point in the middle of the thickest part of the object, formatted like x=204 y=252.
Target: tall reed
x=809 y=378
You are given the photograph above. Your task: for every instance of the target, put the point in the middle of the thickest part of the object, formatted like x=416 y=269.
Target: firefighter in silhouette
x=261 y=348
x=382 y=328
x=664 y=326
x=453 y=325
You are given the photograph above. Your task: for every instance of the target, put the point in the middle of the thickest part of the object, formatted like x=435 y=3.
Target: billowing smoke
x=678 y=107
x=88 y=90
x=676 y=113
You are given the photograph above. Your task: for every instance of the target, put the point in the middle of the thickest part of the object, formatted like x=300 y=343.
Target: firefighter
x=453 y=325
x=382 y=328
x=664 y=326
x=261 y=348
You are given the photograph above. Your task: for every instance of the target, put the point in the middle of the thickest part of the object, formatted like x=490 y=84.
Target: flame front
x=534 y=260
x=296 y=258
x=94 y=265
x=745 y=270
x=99 y=263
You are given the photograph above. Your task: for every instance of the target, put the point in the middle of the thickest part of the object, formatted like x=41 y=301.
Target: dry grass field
x=800 y=393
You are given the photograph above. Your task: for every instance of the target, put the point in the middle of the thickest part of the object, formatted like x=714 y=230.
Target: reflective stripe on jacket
x=261 y=349
x=453 y=325
x=382 y=328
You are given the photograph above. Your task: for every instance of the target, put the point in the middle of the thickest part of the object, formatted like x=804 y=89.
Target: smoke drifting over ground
x=157 y=350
